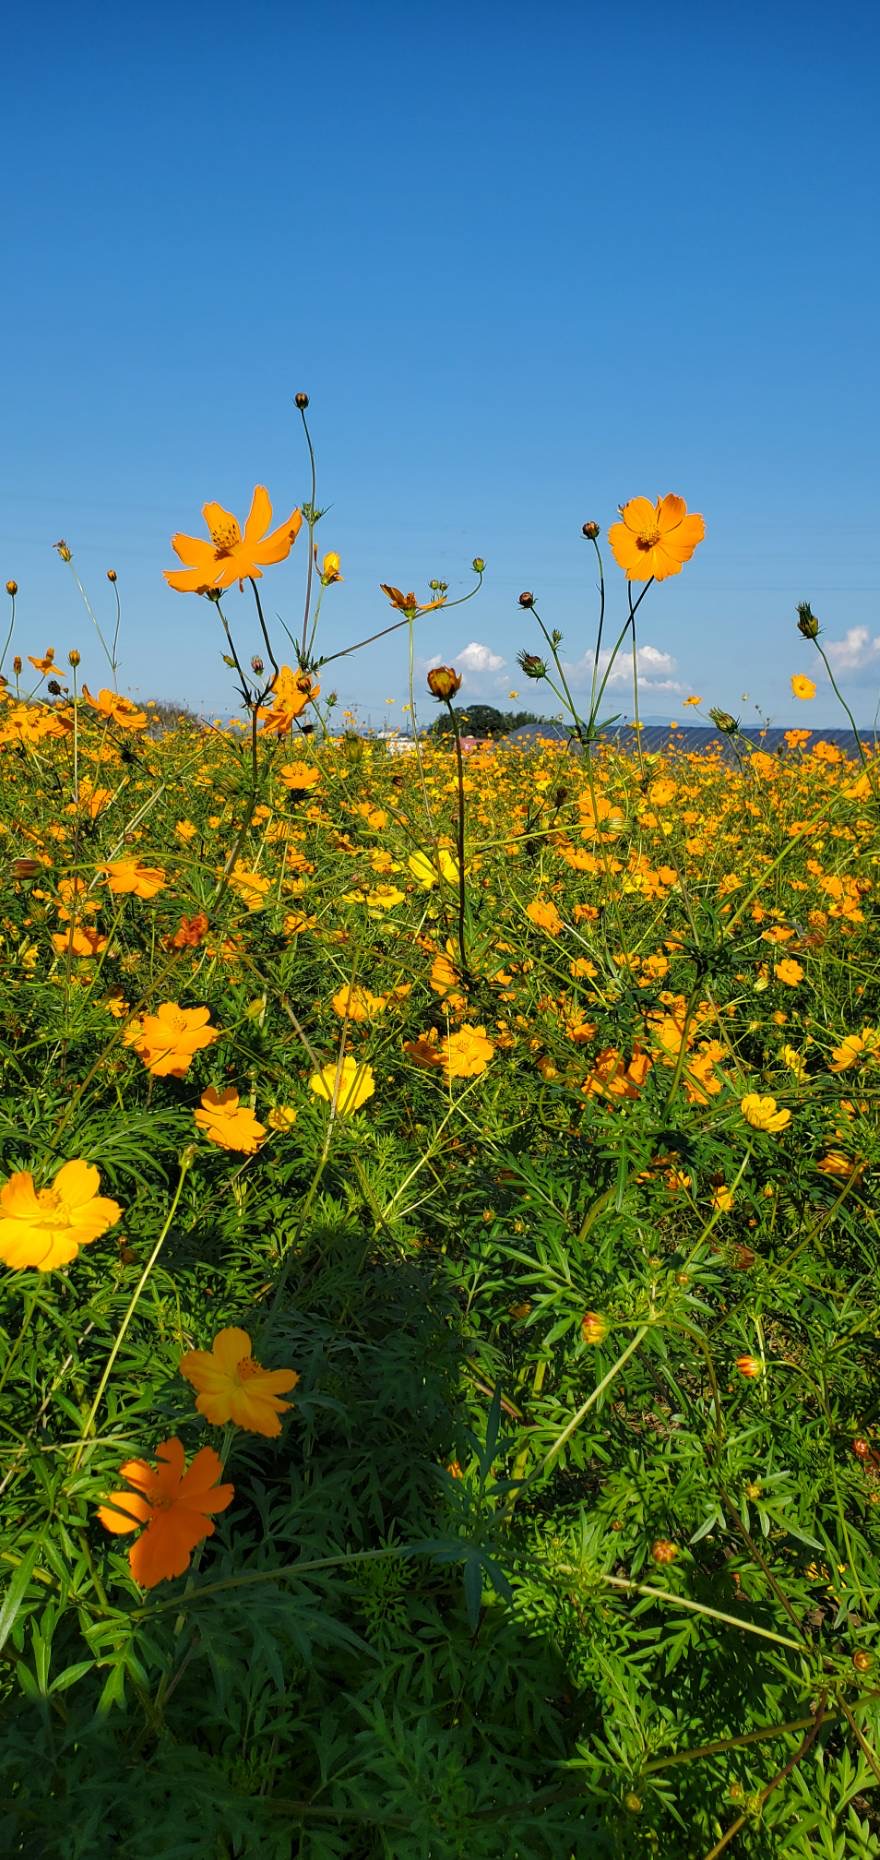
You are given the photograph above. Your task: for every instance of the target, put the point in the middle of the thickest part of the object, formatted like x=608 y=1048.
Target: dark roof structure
x=688 y=739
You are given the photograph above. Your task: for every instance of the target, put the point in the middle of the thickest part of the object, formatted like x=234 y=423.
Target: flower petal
x=277 y=546
x=639 y=515
x=259 y=515
x=124 y=1511
x=193 y=550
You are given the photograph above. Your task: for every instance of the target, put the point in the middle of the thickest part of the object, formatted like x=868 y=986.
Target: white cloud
x=657 y=670
x=854 y=651
x=476 y=663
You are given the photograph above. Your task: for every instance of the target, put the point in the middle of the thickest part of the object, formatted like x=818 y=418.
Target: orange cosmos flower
x=174 y=1503
x=46 y=664
x=354 y=1002
x=299 y=775
x=407 y=603
x=190 y=932
x=169 y=1039
x=231 y=556
x=788 y=971
x=290 y=692
x=46 y=1227
x=544 y=914
x=654 y=540
x=116 y=709
x=802 y=687
x=128 y=876
x=467 y=1053
x=233 y=1387
x=79 y=941
x=230 y=1125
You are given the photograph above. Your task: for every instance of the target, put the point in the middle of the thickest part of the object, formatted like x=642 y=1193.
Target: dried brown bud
x=527 y=600
x=301 y=401
x=53 y=688
x=16 y=666
x=443 y=682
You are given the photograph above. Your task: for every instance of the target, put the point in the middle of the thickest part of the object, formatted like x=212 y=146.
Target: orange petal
x=190 y=580
x=682 y=541
x=670 y=511
x=639 y=514
x=259 y=515
x=193 y=550
x=277 y=547
x=124 y=1511
x=219 y=519
x=229 y=1347
x=165 y=1547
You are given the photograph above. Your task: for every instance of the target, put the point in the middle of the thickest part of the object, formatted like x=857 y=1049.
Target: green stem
x=185 y=1165
x=462 y=894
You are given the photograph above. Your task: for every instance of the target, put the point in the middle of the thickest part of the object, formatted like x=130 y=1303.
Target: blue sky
x=527 y=265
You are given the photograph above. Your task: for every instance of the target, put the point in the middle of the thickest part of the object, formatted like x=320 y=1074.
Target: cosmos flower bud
x=25 y=868
x=533 y=667
x=478 y=565
x=594 y=1328
x=65 y=553
x=443 y=682
x=16 y=666
x=12 y=588
x=111 y=574
x=862 y=1661
x=527 y=599
x=591 y=531
x=73 y=658
x=808 y=625
x=301 y=401
x=724 y=722
x=749 y=1366
x=663 y=1550
x=257 y=664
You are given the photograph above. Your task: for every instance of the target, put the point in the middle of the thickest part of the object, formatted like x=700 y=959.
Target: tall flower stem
x=8 y=640
x=462 y=896
x=311 y=519
x=185 y=1165
x=263 y=627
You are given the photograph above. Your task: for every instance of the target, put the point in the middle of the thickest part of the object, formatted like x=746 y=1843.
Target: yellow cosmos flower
x=357 y=1003
x=289 y=693
x=762 y=1114
x=232 y=1126
x=46 y=1227
x=346 y=1087
x=233 y=1387
x=853 y=1047
x=282 y=1117
x=802 y=687
x=653 y=541
x=251 y=887
x=429 y=868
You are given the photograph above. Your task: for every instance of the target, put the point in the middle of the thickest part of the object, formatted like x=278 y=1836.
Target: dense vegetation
x=492 y=1237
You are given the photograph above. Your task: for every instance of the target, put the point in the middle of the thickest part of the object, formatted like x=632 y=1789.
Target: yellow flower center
x=648 y=539
x=54 y=1211
x=247 y=1368
x=224 y=536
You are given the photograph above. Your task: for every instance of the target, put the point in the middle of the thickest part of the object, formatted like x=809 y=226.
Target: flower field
x=439 y=1360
